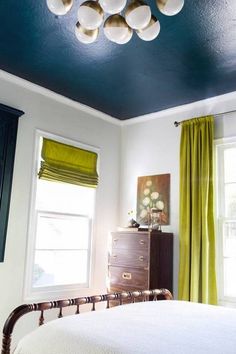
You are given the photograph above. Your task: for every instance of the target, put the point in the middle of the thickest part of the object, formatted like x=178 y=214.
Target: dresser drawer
x=129 y=258
x=128 y=278
x=132 y=240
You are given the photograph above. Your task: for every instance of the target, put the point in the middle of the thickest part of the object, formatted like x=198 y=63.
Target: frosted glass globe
x=59 y=7
x=138 y=15
x=116 y=29
x=113 y=6
x=170 y=7
x=151 y=31
x=127 y=38
x=85 y=36
x=90 y=15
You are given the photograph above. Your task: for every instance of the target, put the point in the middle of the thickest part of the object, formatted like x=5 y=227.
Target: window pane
x=229 y=277
x=64 y=198
x=230 y=166
x=230 y=200
x=62 y=232
x=60 y=268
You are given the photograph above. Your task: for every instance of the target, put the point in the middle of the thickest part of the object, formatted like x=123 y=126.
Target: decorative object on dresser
x=140 y=260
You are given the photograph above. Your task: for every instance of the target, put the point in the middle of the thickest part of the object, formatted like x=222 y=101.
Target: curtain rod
x=215 y=115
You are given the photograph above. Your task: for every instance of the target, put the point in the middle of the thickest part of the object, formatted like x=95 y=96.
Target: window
x=60 y=235
x=226 y=217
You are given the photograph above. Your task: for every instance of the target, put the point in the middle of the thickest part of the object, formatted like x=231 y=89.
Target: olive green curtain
x=197 y=276
x=69 y=164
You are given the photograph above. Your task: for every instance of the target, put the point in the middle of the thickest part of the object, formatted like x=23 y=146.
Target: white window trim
x=48 y=293
x=219 y=186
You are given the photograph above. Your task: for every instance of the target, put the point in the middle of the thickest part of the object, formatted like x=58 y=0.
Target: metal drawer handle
x=141 y=242
x=115 y=240
x=127 y=276
x=141 y=258
x=114 y=255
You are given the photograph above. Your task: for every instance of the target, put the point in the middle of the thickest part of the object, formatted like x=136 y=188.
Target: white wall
x=152 y=147
x=50 y=115
x=225 y=126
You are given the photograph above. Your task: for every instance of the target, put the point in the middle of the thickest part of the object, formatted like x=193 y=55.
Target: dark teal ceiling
x=193 y=58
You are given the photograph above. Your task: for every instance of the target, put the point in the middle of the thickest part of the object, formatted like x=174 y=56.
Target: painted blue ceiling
x=193 y=58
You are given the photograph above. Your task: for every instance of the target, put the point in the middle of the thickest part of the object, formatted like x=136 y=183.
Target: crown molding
x=56 y=97
x=215 y=105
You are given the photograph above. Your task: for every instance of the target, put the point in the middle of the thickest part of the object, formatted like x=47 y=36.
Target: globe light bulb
x=90 y=15
x=151 y=31
x=113 y=6
x=138 y=14
x=59 y=7
x=127 y=38
x=117 y=30
x=170 y=7
x=84 y=35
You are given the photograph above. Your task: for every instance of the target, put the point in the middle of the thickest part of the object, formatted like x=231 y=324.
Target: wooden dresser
x=140 y=260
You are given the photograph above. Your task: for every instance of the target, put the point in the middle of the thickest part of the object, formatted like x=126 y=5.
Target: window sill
x=62 y=292
x=228 y=303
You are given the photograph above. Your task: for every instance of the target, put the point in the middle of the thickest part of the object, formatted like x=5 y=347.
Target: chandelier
x=125 y=18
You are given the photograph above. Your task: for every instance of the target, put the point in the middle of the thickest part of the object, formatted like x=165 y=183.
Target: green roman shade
x=69 y=164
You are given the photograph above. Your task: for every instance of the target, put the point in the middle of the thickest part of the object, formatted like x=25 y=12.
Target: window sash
x=222 y=219
x=66 y=217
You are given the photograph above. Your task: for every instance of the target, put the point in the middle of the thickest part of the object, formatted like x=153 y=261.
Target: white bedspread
x=162 y=327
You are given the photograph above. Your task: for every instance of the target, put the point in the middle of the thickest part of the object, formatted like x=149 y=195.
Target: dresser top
x=137 y=232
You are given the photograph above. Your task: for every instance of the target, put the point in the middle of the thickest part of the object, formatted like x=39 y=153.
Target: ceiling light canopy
x=117 y=28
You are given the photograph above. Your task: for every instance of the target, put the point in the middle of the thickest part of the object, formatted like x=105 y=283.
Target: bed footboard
x=133 y=296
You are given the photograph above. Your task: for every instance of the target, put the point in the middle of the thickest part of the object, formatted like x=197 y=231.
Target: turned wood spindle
x=41 y=318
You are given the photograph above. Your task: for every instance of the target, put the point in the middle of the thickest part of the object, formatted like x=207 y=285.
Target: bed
x=140 y=327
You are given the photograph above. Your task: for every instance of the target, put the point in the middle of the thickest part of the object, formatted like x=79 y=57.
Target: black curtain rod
x=176 y=124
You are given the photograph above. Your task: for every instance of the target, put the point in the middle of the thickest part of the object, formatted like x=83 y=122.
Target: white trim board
x=209 y=106
x=56 y=96
x=214 y=105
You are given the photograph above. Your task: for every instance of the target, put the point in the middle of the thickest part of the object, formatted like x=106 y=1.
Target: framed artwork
x=153 y=192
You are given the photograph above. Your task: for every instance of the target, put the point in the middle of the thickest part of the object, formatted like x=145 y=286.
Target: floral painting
x=153 y=192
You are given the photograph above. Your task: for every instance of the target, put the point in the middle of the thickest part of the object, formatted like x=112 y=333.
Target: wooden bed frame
x=131 y=296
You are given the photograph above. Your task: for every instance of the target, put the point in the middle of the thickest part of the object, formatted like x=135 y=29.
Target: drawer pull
x=141 y=242
x=115 y=240
x=114 y=256
x=126 y=275
x=141 y=258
